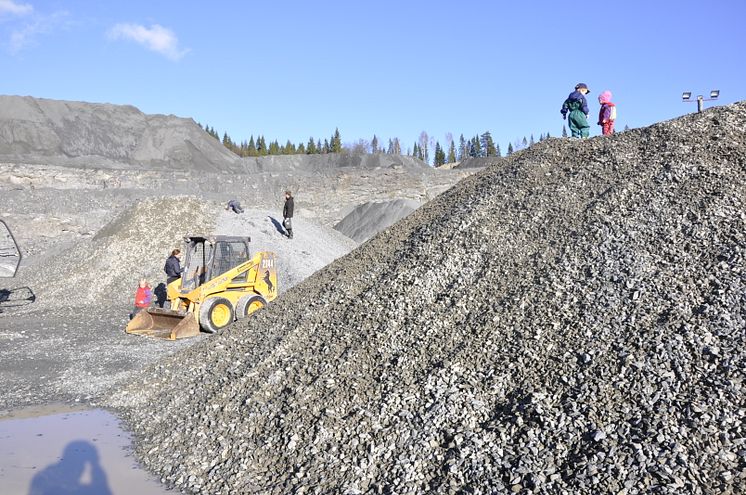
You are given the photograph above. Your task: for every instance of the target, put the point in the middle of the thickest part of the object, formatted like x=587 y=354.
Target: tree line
x=478 y=146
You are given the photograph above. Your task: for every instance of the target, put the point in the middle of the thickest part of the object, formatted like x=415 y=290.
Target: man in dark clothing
x=287 y=214
x=577 y=105
x=234 y=206
x=173 y=267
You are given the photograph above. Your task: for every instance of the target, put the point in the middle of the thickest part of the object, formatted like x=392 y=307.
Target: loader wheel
x=248 y=304
x=215 y=314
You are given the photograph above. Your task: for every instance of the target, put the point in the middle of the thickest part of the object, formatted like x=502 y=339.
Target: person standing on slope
x=577 y=105
x=607 y=114
x=287 y=214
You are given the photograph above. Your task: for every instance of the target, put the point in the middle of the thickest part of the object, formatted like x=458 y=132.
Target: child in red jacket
x=607 y=114
x=143 y=296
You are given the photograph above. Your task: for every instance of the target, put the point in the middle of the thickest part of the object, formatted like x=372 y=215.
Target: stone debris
x=569 y=320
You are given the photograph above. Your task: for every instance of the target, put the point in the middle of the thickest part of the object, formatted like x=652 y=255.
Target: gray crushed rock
x=370 y=218
x=571 y=320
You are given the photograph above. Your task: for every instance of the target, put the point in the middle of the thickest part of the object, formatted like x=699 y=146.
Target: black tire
x=249 y=303
x=215 y=314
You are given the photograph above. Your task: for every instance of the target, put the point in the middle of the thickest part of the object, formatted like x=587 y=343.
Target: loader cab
x=208 y=257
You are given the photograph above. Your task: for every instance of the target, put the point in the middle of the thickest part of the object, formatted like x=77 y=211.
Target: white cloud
x=29 y=33
x=11 y=7
x=156 y=38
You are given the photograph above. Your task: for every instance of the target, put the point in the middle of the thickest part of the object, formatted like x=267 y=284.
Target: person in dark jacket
x=173 y=267
x=234 y=206
x=577 y=105
x=287 y=214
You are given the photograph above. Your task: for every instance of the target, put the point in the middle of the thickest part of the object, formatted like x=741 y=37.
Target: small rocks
x=579 y=331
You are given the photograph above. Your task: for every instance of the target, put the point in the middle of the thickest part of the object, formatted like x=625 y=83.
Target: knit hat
x=582 y=86
x=604 y=97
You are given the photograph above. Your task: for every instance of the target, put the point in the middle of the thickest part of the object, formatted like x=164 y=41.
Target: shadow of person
x=160 y=294
x=78 y=472
x=13 y=298
x=278 y=226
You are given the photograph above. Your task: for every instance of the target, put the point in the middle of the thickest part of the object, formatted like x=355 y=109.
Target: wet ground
x=58 y=449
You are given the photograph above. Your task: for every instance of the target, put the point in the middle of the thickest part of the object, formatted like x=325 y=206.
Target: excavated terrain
x=570 y=320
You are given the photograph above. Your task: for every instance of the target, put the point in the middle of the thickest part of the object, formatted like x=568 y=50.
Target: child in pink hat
x=607 y=114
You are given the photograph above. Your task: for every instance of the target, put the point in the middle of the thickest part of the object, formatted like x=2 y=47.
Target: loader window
x=194 y=271
x=227 y=256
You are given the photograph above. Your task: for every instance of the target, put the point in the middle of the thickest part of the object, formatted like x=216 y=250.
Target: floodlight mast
x=686 y=97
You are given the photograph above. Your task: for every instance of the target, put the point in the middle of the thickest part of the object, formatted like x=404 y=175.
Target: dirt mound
x=52 y=132
x=572 y=320
x=104 y=270
x=370 y=218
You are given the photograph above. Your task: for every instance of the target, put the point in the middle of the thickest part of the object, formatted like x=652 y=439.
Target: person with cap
x=287 y=214
x=577 y=106
x=607 y=114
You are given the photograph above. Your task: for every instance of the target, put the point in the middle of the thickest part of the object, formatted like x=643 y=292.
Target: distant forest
x=425 y=148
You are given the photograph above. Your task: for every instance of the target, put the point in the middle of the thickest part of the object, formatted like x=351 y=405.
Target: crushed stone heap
x=570 y=321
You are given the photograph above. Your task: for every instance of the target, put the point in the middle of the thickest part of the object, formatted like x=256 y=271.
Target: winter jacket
x=606 y=112
x=576 y=101
x=173 y=267
x=143 y=296
x=287 y=210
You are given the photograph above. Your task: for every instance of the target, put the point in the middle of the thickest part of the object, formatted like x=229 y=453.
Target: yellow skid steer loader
x=219 y=283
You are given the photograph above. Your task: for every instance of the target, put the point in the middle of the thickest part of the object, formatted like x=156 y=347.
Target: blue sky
x=295 y=69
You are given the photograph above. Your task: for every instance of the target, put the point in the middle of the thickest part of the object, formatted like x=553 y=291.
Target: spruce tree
x=439 y=157
x=251 y=149
x=497 y=151
x=452 y=153
x=510 y=149
x=374 y=144
x=531 y=141
x=564 y=131
x=463 y=150
x=311 y=148
x=336 y=144
x=319 y=148
x=488 y=145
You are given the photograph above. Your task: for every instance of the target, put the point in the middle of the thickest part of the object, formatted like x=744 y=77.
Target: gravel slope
x=571 y=321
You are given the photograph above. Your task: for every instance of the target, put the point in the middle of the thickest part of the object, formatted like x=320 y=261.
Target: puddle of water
x=69 y=452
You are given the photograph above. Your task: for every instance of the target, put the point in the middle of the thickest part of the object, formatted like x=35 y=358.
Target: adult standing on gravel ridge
x=577 y=105
x=173 y=267
x=287 y=214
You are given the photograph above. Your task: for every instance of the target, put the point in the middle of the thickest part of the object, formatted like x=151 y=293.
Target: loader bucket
x=164 y=324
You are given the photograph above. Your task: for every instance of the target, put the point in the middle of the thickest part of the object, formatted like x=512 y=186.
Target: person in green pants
x=577 y=105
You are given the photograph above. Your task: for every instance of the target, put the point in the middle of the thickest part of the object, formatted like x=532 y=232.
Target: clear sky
x=394 y=68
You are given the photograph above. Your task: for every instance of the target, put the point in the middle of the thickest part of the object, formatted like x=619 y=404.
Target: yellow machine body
x=219 y=284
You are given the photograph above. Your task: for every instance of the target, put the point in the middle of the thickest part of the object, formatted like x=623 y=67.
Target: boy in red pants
x=607 y=114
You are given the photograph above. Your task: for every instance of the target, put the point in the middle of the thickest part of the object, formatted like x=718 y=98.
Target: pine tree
x=336 y=144
x=261 y=146
x=497 y=151
x=463 y=150
x=301 y=149
x=524 y=143
x=251 y=149
x=452 y=152
x=319 y=148
x=374 y=144
x=390 y=149
x=311 y=148
x=476 y=147
x=531 y=141
x=488 y=145
x=510 y=149
x=439 y=157
x=327 y=149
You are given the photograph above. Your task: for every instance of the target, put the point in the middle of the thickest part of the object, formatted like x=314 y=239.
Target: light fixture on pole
x=686 y=97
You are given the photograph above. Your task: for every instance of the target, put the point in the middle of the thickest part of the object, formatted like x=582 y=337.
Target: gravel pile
x=370 y=218
x=104 y=270
x=571 y=320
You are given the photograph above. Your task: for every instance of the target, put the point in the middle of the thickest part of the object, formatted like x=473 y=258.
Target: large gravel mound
x=572 y=321
x=372 y=217
x=104 y=270
x=53 y=132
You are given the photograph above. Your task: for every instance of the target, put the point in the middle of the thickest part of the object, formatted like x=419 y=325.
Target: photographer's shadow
x=78 y=472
